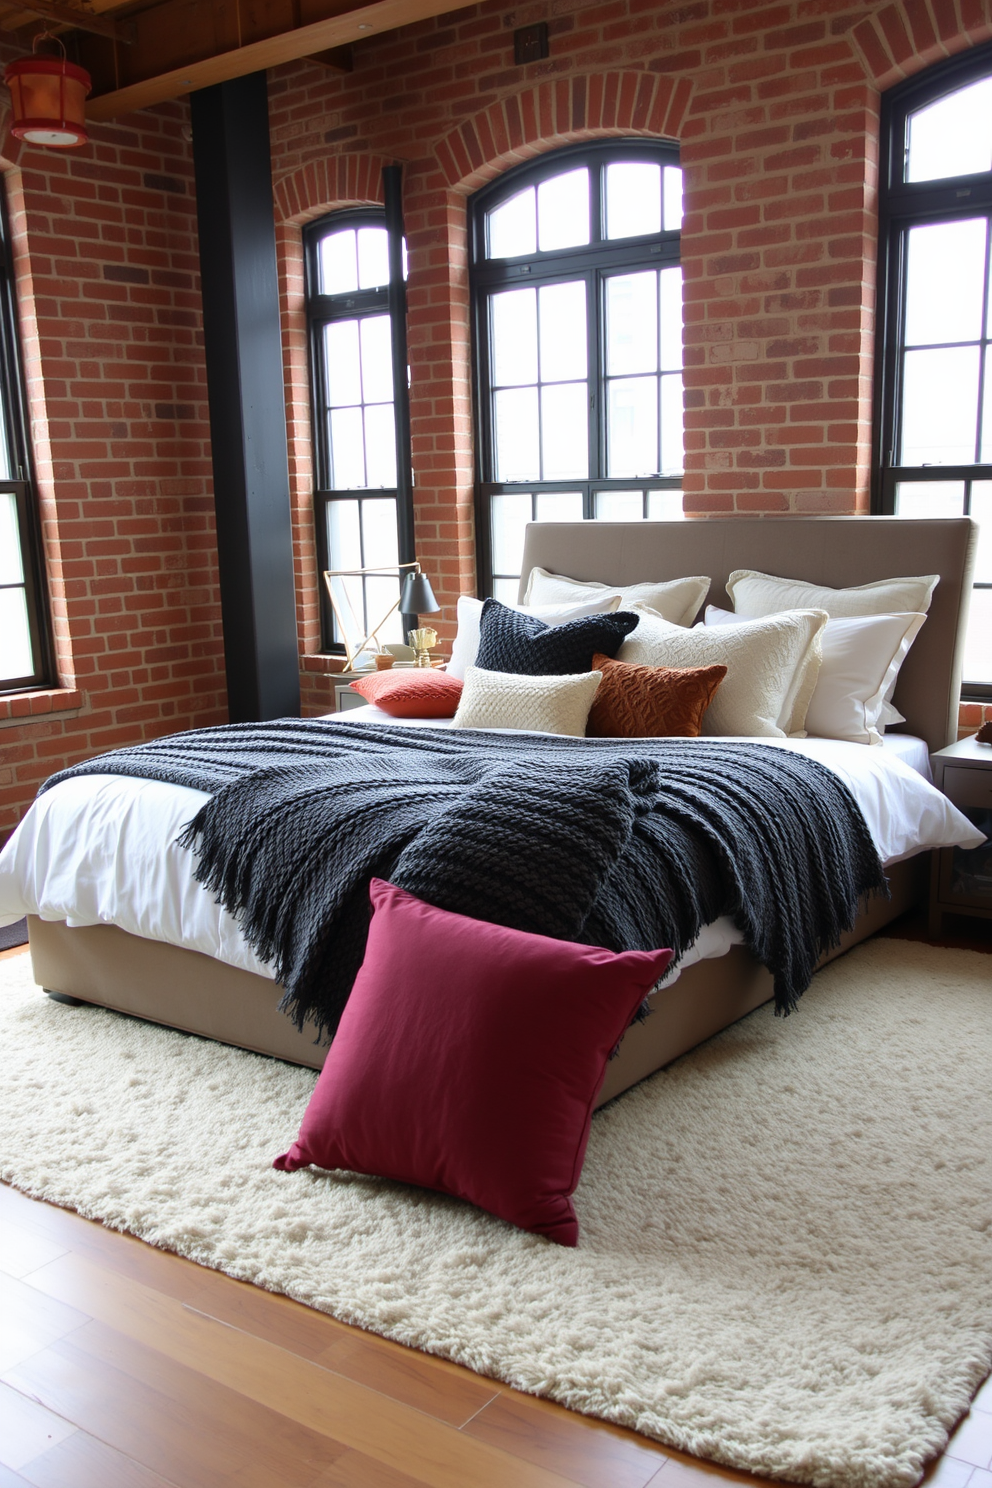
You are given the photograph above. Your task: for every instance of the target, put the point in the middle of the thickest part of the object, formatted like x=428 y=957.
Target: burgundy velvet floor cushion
x=468 y=1060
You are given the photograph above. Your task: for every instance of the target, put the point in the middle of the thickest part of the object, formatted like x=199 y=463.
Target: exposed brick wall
x=776 y=110
x=107 y=270
x=775 y=106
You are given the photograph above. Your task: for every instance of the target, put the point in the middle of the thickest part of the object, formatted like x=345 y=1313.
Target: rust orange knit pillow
x=412 y=693
x=636 y=702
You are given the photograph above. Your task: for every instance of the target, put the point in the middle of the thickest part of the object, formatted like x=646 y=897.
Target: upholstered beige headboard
x=825 y=550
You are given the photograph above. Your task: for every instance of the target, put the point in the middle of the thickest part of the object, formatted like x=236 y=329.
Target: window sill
x=32 y=707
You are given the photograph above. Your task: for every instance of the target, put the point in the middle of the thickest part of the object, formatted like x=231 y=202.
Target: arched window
x=577 y=298
x=356 y=315
x=25 y=650
x=934 y=387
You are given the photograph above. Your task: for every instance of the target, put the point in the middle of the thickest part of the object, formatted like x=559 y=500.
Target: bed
x=221 y=993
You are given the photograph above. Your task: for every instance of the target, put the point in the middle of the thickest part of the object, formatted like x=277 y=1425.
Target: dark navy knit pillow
x=511 y=642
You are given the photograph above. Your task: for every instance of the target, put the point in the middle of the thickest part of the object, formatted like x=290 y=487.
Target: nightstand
x=344 y=698
x=960 y=879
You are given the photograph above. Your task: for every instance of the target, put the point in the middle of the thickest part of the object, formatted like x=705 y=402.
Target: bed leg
x=65 y=998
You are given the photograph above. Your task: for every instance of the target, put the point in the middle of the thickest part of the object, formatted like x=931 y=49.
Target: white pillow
x=503 y=700
x=756 y=593
x=676 y=600
x=862 y=655
x=772 y=666
x=466 y=643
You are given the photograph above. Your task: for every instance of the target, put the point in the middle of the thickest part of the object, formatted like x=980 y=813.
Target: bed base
x=183 y=989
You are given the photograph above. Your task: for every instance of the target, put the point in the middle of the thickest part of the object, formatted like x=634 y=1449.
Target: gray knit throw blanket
x=627 y=844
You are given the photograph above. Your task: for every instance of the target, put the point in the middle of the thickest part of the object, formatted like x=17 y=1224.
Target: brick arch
x=335 y=181
x=560 y=112
x=903 y=38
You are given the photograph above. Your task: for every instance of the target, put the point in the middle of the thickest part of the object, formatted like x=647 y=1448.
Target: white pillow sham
x=753 y=593
x=861 y=657
x=676 y=600
x=757 y=594
x=466 y=643
x=504 y=700
x=772 y=666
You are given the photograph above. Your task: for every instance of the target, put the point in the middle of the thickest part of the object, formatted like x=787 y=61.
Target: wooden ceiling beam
x=67 y=15
x=212 y=41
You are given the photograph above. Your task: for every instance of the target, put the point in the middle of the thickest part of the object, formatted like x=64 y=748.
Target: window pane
x=981 y=510
x=632 y=426
x=670 y=318
x=923 y=499
x=985 y=453
x=344 y=544
x=945 y=277
x=15 y=636
x=507 y=590
x=632 y=323
x=347 y=449
x=673 y=198
x=6 y=466
x=633 y=199
x=672 y=443
x=338 y=262
x=952 y=137
x=380 y=445
x=379 y=531
x=381 y=591
x=11 y=567
x=563 y=331
x=559 y=506
x=377 y=359
x=511 y=511
x=940 y=406
x=514 y=335
x=513 y=226
x=373 y=257
x=341 y=359
x=563 y=211
x=564 y=430
x=978 y=643
x=665 y=506
x=517 y=439
x=619 y=506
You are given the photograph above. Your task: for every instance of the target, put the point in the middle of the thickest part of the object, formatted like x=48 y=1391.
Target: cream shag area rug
x=786 y=1252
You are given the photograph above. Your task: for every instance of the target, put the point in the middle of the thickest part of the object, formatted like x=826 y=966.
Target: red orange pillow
x=636 y=702
x=411 y=693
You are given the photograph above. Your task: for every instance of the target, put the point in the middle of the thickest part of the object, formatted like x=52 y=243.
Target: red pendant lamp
x=48 y=96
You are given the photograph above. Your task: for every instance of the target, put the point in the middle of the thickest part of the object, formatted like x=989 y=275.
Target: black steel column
x=247 y=402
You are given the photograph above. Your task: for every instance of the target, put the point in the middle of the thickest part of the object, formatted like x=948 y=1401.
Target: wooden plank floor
x=122 y=1366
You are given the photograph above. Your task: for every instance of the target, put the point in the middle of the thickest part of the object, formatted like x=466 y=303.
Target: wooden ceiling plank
x=289 y=46
x=67 y=15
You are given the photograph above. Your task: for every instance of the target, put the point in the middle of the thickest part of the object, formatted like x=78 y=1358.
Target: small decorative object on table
x=422 y=640
x=961 y=878
x=984 y=735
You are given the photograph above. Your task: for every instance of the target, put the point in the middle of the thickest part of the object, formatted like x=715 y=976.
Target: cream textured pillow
x=862 y=655
x=772 y=666
x=676 y=600
x=549 y=705
x=466 y=644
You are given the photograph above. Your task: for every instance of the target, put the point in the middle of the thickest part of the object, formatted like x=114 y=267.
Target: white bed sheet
x=101 y=849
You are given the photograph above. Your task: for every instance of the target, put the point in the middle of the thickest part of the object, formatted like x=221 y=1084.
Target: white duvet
x=101 y=849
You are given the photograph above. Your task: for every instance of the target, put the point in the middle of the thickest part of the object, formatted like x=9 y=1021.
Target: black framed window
x=577 y=301
x=355 y=268
x=25 y=651
x=933 y=455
